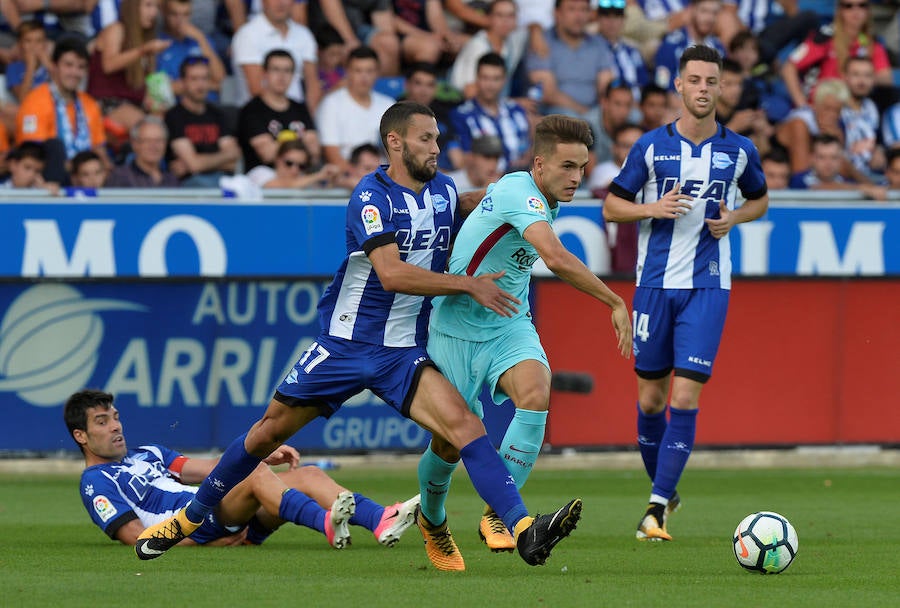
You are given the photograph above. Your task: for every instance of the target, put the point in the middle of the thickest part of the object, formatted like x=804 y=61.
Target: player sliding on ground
x=472 y=346
x=400 y=220
x=124 y=490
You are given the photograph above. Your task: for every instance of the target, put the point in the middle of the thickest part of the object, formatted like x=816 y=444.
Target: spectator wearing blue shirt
x=34 y=66
x=630 y=65
x=489 y=114
x=187 y=41
x=824 y=173
x=701 y=21
x=578 y=67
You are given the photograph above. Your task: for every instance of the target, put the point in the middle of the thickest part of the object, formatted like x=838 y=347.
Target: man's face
x=502 y=19
x=34 y=41
x=277 y=11
x=421 y=87
x=176 y=15
x=24 y=173
x=483 y=170
x=70 y=71
x=420 y=149
x=778 y=175
x=747 y=55
x=699 y=87
x=196 y=82
x=361 y=75
x=653 y=108
x=732 y=86
x=617 y=106
x=625 y=140
x=611 y=23
x=103 y=436
x=860 y=78
x=278 y=75
x=150 y=145
x=560 y=172
x=489 y=83
x=366 y=163
x=703 y=16
x=572 y=17
x=91 y=174
x=826 y=160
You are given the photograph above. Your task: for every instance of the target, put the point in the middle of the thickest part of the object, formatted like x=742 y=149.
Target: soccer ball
x=765 y=542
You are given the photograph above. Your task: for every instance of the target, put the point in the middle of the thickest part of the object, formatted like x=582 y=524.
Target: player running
x=374 y=315
x=472 y=346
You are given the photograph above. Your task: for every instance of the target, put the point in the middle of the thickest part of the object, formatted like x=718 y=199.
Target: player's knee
x=536 y=398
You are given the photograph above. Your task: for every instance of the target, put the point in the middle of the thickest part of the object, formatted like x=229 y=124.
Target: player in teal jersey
x=473 y=346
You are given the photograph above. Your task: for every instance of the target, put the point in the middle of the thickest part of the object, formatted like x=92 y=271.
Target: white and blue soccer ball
x=765 y=542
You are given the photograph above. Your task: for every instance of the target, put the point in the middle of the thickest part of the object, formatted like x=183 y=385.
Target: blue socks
x=234 y=466
x=522 y=443
x=650 y=428
x=434 y=482
x=492 y=481
x=302 y=510
x=368 y=512
x=674 y=451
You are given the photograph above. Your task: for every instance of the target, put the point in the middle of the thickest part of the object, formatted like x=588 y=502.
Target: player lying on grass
x=125 y=491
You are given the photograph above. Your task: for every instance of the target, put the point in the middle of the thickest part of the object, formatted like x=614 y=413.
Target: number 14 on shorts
x=641 y=325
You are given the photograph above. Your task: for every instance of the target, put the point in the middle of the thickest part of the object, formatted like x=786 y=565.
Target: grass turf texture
x=51 y=555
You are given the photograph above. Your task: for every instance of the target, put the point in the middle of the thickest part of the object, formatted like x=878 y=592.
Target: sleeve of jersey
x=633 y=175
x=752 y=181
x=108 y=510
x=369 y=217
x=520 y=209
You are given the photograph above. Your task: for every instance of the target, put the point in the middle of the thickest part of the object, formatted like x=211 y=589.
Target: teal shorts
x=470 y=365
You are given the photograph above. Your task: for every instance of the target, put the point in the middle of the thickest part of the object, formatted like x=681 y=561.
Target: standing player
x=472 y=346
x=374 y=329
x=125 y=490
x=681 y=181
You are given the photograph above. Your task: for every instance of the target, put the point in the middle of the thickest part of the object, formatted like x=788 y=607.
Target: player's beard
x=421 y=173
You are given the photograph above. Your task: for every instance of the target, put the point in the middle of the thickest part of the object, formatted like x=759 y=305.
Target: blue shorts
x=678 y=328
x=469 y=365
x=334 y=369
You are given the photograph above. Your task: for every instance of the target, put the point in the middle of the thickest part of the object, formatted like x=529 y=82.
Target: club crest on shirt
x=721 y=160
x=103 y=508
x=535 y=204
x=371 y=219
x=439 y=202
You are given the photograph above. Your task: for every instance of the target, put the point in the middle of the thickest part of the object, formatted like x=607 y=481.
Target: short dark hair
x=699 y=52
x=397 y=118
x=277 y=53
x=363 y=149
x=190 y=61
x=77 y=405
x=628 y=126
x=27 y=26
x=861 y=58
x=892 y=154
x=362 y=52
x=292 y=144
x=732 y=66
x=741 y=39
x=83 y=157
x=492 y=58
x=651 y=89
x=777 y=155
x=34 y=150
x=421 y=66
x=70 y=44
x=825 y=139
x=616 y=84
x=559 y=129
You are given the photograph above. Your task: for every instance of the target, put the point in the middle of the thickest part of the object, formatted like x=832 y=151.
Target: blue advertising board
x=282 y=239
x=192 y=364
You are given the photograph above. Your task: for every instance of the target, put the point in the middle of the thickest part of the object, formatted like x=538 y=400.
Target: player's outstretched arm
x=671 y=206
x=402 y=277
x=570 y=269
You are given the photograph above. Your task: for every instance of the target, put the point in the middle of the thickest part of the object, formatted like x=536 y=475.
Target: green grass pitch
x=846 y=519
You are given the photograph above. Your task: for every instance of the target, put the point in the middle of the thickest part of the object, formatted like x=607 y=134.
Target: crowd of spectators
x=289 y=93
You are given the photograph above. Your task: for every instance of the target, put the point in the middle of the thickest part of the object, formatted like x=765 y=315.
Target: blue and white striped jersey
x=139 y=486
x=681 y=253
x=355 y=306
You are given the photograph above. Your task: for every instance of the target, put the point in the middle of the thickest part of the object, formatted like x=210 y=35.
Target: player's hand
x=673 y=204
x=232 y=540
x=621 y=321
x=284 y=454
x=720 y=227
x=486 y=292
